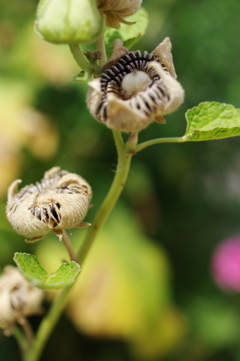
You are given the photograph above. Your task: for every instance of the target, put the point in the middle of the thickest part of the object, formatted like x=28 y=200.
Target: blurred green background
x=146 y=292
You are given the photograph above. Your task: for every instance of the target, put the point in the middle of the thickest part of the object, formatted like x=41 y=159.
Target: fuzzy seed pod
x=59 y=201
x=135 y=89
x=117 y=10
x=18 y=298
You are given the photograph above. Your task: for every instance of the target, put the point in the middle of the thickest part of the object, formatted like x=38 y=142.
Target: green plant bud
x=69 y=21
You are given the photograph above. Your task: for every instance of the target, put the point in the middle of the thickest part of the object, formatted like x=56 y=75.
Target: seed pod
x=69 y=21
x=117 y=10
x=18 y=297
x=135 y=89
x=59 y=201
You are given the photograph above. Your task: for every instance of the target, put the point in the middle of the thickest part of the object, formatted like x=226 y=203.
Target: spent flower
x=134 y=89
x=18 y=298
x=69 y=21
x=117 y=10
x=59 y=201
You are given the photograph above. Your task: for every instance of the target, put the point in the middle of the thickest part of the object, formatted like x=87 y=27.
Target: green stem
x=20 y=338
x=101 y=47
x=68 y=245
x=79 y=57
x=48 y=323
x=146 y=144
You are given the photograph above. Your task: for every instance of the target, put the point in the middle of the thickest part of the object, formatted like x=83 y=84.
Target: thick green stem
x=48 y=323
x=146 y=144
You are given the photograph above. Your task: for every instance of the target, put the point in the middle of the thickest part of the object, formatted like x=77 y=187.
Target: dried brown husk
x=117 y=10
x=18 y=298
x=110 y=103
x=60 y=201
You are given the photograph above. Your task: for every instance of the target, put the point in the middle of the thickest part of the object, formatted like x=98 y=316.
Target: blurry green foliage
x=184 y=197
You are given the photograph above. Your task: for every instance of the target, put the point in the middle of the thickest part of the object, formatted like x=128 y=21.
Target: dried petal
x=117 y=10
x=59 y=201
x=135 y=89
x=18 y=297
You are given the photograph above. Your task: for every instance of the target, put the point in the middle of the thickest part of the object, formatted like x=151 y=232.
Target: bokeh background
x=146 y=292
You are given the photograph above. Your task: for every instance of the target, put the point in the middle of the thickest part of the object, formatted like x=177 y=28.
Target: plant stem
x=79 y=57
x=47 y=324
x=49 y=321
x=20 y=338
x=68 y=245
x=101 y=47
x=27 y=330
x=146 y=144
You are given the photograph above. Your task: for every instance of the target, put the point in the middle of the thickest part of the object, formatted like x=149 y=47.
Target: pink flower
x=225 y=264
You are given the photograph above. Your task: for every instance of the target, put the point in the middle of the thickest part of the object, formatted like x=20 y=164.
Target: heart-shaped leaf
x=212 y=120
x=32 y=270
x=129 y=34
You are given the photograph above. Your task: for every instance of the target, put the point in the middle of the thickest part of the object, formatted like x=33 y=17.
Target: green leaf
x=32 y=270
x=129 y=34
x=212 y=120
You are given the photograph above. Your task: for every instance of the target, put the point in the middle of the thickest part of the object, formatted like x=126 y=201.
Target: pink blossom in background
x=225 y=264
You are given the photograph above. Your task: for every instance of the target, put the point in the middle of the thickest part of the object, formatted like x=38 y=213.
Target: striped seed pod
x=135 y=89
x=117 y=10
x=59 y=201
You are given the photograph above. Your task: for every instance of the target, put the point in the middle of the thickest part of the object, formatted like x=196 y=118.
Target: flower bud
x=18 y=297
x=117 y=10
x=59 y=201
x=69 y=21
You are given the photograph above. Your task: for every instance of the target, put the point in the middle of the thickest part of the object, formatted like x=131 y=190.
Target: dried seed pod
x=117 y=10
x=18 y=298
x=59 y=201
x=135 y=89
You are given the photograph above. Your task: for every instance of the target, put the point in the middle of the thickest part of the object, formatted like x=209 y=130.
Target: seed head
x=59 y=201
x=18 y=298
x=117 y=10
x=135 y=89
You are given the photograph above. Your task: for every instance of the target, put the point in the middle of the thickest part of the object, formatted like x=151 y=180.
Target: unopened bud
x=69 y=21
x=117 y=10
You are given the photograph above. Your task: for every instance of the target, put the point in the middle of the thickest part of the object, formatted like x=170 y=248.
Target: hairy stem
x=82 y=62
x=49 y=321
x=146 y=144
x=68 y=245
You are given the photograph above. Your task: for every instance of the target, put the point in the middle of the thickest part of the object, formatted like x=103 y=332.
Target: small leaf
x=32 y=270
x=129 y=34
x=212 y=120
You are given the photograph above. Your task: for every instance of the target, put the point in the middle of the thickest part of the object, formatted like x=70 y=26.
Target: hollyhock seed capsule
x=117 y=10
x=69 y=21
x=135 y=89
x=60 y=201
x=18 y=298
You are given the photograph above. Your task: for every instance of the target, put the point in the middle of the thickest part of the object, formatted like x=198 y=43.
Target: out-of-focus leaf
x=32 y=270
x=129 y=34
x=212 y=120
x=214 y=322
